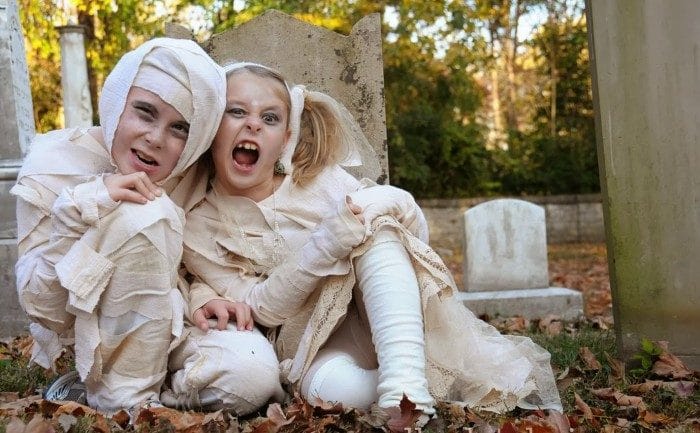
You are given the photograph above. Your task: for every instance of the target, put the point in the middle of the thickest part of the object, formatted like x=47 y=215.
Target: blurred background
x=483 y=97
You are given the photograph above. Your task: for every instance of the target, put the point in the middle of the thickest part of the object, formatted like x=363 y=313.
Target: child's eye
x=270 y=118
x=144 y=110
x=236 y=111
x=182 y=129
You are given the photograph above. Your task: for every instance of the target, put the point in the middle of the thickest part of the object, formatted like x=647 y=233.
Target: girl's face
x=251 y=136
x=150 y=136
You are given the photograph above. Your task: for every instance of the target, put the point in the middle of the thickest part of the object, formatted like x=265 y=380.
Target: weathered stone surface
x=16 y=130
x=77 y=105
x=566 y=304
x=646 y=92
x=14 y=322
x=17 y=120
x=505 y=246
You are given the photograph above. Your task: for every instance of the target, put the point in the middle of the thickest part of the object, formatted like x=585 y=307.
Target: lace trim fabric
x=468 y=360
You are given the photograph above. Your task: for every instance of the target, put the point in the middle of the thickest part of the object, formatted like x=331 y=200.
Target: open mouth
x=246 y=154
x=144 y=158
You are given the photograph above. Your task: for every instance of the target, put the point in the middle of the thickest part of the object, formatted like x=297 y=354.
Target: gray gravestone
x=646 y=86
x=16 y=130
x=505 y=263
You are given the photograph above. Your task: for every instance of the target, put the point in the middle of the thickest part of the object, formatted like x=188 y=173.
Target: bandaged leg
x=135 y=363
x=392 y=302
x=132 y=330
x=230 y=368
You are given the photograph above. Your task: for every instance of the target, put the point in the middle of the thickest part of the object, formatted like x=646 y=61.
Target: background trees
x=483 y=97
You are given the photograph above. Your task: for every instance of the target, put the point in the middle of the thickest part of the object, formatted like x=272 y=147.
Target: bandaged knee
x=336 y=378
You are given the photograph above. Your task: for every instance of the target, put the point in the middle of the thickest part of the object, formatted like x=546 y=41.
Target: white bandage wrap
x=392 y=301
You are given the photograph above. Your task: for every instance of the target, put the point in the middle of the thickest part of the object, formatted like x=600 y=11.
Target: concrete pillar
x=77 y=105
x=645 y=56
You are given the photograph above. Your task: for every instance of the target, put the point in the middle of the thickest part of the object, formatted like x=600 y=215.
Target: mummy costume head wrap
x=181 y=74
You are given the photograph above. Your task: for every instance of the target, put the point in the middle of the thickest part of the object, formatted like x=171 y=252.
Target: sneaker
x=68 y=387
x=204 y=402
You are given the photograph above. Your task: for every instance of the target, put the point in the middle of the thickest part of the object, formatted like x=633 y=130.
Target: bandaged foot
x=391 y=298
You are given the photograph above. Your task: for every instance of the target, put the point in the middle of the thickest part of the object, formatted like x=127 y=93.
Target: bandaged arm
x=82 y=270
x=40 y=291
x=285 y=290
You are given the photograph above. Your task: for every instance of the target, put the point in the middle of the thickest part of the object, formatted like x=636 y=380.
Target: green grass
x=17 y=376
x=565 y=354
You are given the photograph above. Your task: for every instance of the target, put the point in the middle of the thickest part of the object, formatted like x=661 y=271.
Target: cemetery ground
x=655 y=392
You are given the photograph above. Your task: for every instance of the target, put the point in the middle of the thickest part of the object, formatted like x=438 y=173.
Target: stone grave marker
x=16 y=130
x=645 y=61
x=505 y=263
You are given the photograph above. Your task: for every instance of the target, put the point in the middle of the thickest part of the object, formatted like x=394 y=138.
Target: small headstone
x=505 y=263
x=505 y=246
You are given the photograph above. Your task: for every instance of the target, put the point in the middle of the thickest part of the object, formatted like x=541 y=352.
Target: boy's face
x=150 y=136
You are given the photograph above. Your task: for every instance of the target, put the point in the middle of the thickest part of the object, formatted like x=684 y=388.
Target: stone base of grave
x=566 y=304
x=14 y=320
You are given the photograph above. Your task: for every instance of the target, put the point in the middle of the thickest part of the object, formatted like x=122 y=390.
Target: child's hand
x=135 y=187
x=356 y=210
x=224 y=311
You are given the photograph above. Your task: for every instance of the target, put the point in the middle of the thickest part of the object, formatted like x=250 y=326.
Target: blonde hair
x=319 y=140
x=321 y=131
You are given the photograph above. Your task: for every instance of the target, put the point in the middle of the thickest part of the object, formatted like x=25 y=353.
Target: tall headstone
x=646 y=73
x=16 y=130
x=505 y=263
x=77 y=105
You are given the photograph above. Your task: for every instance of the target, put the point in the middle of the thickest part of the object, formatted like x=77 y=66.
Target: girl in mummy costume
x=100 y=222
x=359 y=307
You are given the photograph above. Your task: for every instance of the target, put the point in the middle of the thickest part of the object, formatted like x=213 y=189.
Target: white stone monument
x=16 y=129
x=505 y=263
x=77 y=105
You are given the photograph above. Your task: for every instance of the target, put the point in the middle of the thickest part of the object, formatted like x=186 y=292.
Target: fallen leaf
x=563 y=374
x=15 y=426
x=481 y=425
x=276 y=415
x=39 y=425
x=619 y=398
x=67 y=421
x=583 y=407
x=654 y=418
x=508 y=428
x=19 y=407
x=6 y=397
x=551 y=325
x=121 y=418
x=375 y=416
x=324 y=407
x=559 y=421
x=588 y=358
x=404 y=416
x=669 y=365
x=617 y=367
